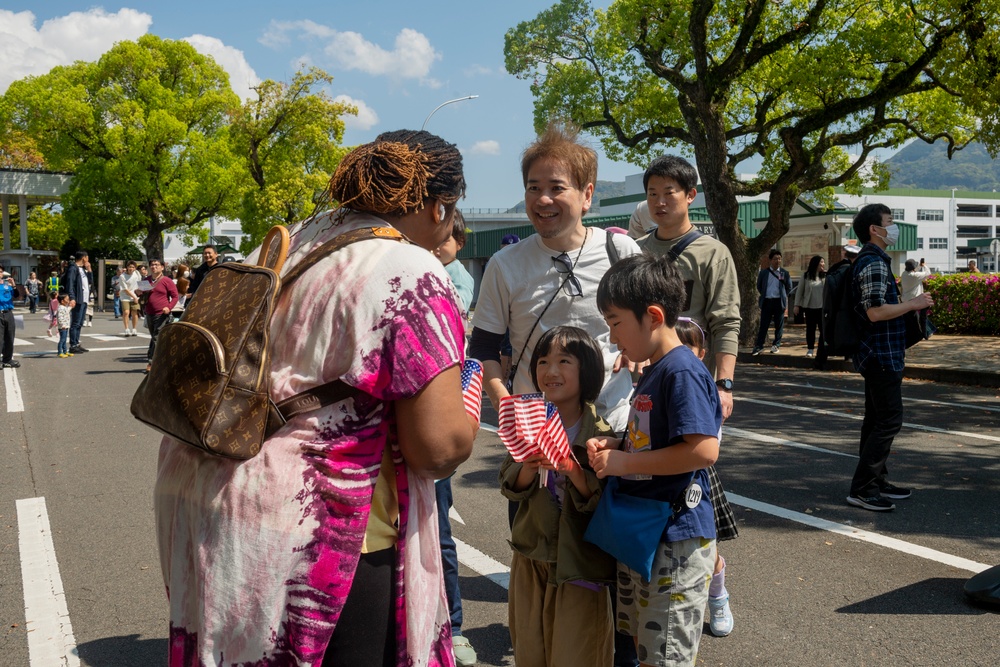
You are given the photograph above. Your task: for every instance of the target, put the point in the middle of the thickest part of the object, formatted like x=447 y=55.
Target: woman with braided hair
x=323 y=549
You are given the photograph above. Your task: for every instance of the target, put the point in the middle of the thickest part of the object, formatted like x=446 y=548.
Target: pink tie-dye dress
x=258 y=556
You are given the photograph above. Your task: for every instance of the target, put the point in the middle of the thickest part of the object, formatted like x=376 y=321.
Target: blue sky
x=396 y=60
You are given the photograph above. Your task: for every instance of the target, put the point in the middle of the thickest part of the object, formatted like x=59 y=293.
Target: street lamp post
x=459 y=99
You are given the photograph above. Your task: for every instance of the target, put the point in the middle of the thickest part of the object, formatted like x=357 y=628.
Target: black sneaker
x=873 y=503
x=895 y=492
x=77 y=349
x=12 y=364
x=756 y=351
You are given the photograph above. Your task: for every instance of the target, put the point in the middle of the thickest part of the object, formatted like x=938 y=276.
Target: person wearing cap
x=509 y=239
x=7 y=320
x=912 y=280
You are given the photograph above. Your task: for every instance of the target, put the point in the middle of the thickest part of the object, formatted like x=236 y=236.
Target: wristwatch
x=725 y=384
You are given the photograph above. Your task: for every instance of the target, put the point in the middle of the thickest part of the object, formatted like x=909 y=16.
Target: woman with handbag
x=323 y=548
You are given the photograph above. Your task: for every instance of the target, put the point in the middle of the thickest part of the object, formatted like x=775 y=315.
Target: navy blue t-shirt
x=675 y=397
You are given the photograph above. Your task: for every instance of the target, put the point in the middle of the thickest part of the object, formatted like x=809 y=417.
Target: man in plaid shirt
x=880 y=356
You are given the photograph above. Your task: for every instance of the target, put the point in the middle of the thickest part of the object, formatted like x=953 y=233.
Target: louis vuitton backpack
x=209 y=384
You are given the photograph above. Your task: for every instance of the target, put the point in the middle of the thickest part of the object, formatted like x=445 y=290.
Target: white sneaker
x=810 y=353
x=134 y=332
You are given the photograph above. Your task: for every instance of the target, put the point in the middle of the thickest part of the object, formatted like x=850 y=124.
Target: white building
x=947 y=221
x=174 y=246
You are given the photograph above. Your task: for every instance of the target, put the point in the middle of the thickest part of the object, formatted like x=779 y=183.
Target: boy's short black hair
x=640 y=281
x=869 y=215
x=671 y=166
x=774 y=251
x=911 y=265
x=458 y=231
x=579 y=344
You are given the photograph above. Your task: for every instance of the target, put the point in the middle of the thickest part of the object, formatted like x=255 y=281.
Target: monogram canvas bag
x=209 y=385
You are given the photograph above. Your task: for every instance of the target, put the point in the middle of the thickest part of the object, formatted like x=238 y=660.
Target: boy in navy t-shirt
x=672 y=438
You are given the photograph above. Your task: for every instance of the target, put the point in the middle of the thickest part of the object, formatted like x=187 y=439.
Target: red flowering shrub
x=966 y=303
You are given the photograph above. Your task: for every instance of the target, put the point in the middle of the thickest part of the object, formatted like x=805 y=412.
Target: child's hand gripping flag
x=472 y=388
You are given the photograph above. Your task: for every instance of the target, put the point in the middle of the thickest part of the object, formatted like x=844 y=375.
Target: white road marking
x=759 y=437
x=858 y=534
x=967 y=406
x=21 y=341
x=13 y=387
x=488 y=427
x=833 y=413
x=480 y=563
x=455 y=516
x=50 y=633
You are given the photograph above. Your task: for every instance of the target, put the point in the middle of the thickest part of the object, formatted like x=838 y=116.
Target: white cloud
x=411 y=57
x=487 y=147
x=26 y=50
x=242 y=77
x=481 y=70
x=366 y=118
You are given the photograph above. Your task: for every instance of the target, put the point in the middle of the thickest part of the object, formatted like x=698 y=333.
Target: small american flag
x=472 y=388
x=531 y=425
x=553 y=440
x=521 y=419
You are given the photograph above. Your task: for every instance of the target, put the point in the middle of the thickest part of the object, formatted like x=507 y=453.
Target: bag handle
x=274 y=249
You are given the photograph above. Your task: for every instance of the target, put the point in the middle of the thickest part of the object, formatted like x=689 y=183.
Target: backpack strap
x=609 y=246
x=682 y=245
x=336 y=390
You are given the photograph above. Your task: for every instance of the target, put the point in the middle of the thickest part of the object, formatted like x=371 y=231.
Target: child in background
x=672 y=438
x=53 y=310
x=447 y=253
x=720 y=616
x=63 y=320
x=559 y=607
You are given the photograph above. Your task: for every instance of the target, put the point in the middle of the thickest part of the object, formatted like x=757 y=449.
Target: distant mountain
x=927 y=167
x=602 y=190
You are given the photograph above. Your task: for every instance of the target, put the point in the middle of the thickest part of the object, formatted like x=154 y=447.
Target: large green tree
x=145 y=132
x=289 y=140
x=809 y=89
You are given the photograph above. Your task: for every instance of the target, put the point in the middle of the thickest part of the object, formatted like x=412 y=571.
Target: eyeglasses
x=571 y=283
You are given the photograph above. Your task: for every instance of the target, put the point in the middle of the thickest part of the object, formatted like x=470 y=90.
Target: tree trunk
x=153 y=244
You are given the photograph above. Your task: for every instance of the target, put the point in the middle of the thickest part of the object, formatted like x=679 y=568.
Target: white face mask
x=891 y=234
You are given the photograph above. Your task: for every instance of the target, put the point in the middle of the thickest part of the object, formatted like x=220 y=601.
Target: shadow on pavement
x=937 y=596
x=124 y=651
x=488 y=650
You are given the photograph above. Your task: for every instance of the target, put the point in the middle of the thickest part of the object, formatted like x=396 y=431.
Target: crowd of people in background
x=136 y=290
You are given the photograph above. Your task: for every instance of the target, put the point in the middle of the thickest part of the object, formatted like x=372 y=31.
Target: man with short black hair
x=209 y=260
x=78 y=287
x=880 y=357
x=773 y=286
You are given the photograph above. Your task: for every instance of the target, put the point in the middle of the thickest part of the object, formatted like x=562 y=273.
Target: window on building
x=938 y=244
x=920 y=243
x=973 y=231
x=930 y=214
x=899 y=214
x=975 y=211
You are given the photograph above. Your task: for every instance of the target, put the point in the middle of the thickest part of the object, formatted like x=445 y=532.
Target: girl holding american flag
x=559 y=607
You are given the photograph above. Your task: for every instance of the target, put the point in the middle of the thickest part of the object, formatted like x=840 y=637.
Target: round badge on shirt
x=692 y=495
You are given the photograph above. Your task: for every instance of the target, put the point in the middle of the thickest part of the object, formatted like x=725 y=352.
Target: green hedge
x=966 y=303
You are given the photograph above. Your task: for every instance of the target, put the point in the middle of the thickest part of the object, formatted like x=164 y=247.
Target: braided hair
x=397 y=173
